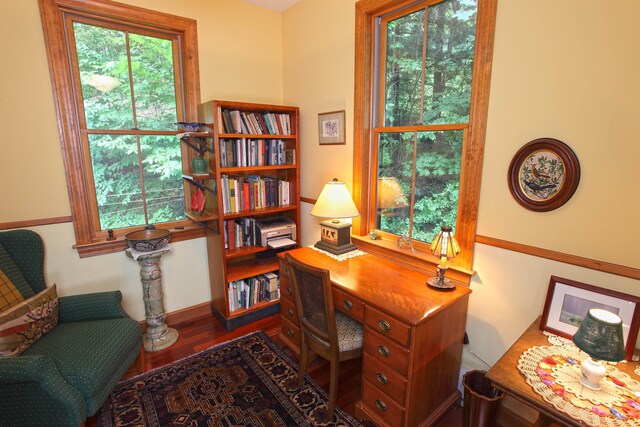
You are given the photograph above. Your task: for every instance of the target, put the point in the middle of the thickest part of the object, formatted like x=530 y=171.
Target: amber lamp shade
x=445 y=247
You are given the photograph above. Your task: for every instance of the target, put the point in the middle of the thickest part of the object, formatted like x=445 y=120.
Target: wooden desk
x=506 y=377
x=413 y=335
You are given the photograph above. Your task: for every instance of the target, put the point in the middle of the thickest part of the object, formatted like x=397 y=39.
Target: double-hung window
x=123 y=76
x=423 y=68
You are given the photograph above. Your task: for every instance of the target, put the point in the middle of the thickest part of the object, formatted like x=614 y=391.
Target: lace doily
x=553 y=372
x=340 y=257
x=558 y=340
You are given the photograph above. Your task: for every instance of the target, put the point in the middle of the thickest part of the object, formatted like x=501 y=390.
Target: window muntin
x=128 y=89
x=427 y=62
x=426 y=165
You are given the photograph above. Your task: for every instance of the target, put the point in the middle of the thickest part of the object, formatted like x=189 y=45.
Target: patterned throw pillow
x=25 y=323
x=9 y=295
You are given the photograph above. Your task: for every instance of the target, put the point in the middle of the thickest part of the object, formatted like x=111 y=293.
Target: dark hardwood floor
x=202 y=333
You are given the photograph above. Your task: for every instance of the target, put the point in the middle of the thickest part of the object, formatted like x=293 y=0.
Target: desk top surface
x=387 y=286
x=506 y=376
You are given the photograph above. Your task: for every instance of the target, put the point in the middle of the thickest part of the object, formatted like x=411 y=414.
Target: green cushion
x=26 y=249
x=13 y=273
x=91 y=356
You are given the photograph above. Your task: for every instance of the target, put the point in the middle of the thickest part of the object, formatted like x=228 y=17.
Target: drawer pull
x=384 y=351
x=381 y=405
x=348 y=304
x=384 y=325
x=290 y=332
x=382 y=378
x=290 y=291
x=290 y=312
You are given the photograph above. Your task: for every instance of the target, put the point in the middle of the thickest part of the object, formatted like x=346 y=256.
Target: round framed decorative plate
x=544 y=174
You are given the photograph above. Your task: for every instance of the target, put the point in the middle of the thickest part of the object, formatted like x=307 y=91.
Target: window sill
x=417 y=260
x=103 y=247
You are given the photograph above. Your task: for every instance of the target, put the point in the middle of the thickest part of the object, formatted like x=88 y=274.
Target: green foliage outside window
x=426 y=85
x=137 y=177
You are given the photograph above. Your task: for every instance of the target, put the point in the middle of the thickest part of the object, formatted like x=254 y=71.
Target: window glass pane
x=393 y=193
x=104 y=75
x=438 y=159
x=116 y=177
x=153 y=82
x=162 y=178
x=403 y=70
x=450 y=42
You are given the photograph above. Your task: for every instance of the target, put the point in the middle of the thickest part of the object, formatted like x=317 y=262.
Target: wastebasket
x=481 y=400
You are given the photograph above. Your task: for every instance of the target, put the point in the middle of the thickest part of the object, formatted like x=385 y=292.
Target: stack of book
x=247 y=292
x=252 y=192
x=245 y=152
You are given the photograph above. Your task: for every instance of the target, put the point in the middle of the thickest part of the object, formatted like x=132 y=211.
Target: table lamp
x=335 y=202
x=445 y=247
x=600 y=336
x=390 y=196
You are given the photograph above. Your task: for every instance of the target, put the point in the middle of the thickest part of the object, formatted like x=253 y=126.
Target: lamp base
x=593 y=371
x=336 y=250
x=441 y=285
x=439 y=282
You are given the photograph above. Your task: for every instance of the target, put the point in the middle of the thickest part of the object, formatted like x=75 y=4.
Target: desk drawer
x=384 y=378
x=388 y=326
x=386 y=351
x=380 y=404
x=291 y=332
x=349 y=305
x=286 y=289
x=288 y=311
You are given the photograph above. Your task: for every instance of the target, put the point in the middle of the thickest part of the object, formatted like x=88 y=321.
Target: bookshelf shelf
x=250 y=268
x=254 y=162
x=203 y=217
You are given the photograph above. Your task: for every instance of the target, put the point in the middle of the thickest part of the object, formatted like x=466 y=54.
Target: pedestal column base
x=161 y=342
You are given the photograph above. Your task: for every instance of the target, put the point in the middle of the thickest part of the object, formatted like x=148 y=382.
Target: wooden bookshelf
x=231 y=159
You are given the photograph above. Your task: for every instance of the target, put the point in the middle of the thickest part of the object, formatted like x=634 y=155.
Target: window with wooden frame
x=421 y=94
x=122 y=77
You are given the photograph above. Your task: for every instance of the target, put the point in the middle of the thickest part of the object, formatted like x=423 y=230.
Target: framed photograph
x=544 y=174
x=331 y=128
x=569 y=301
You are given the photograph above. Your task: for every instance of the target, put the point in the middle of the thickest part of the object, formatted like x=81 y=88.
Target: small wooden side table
x=158 y=336
x=506 y=377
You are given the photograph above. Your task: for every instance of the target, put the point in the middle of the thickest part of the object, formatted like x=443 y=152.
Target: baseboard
x=184 y=315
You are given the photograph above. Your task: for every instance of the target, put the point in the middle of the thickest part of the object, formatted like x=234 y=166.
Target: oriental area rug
x=249 y=381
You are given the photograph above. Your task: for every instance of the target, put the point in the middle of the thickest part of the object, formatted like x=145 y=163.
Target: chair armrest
x=32 y=390
x=86 y=307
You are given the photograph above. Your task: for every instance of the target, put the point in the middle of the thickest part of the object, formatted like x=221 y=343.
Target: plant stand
x=158 y=336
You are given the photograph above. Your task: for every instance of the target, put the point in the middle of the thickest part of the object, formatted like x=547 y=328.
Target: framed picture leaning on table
x=569 y=301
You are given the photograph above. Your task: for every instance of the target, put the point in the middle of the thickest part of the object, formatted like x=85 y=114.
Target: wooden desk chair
x=330 y=334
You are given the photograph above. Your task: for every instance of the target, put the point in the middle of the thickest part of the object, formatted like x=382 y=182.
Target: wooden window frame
x=79 y=183
x=368 y=12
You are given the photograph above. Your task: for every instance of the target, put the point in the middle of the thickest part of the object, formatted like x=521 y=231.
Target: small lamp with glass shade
x=335 y=202
x=445 y=247
x=600 y=336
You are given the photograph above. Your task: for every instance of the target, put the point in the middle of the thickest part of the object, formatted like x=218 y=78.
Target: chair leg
x=304 y=354
x=333 y=388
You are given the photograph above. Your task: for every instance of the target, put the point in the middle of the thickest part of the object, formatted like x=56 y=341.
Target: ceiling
x=279 y=5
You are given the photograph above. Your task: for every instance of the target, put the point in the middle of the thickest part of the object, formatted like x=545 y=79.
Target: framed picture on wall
x=569 y=301
x=331 y=128
x=543 y=174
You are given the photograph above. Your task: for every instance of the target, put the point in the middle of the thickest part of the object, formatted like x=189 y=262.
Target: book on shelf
x=245 y=293
x=243 y=152
x=257 y=123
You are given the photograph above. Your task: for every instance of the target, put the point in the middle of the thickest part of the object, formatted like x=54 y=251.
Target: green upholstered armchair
x=66 y=375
